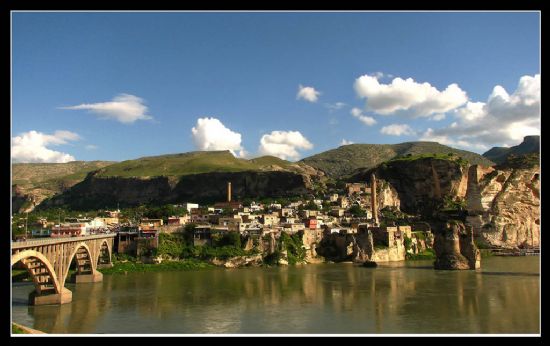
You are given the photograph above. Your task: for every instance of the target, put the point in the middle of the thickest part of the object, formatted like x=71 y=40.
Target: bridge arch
x=84 y=260
x=40 y=269
x=104 y=254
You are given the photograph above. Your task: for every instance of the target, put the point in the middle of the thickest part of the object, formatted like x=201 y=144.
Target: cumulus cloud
x=124 y=108
x=32 y=146
x=346 y=142
x=284 y=144
x=417 y=99
x=307 y=93
x=397 y=130
x=356 y=112
x=210 y=134
x=503 y=119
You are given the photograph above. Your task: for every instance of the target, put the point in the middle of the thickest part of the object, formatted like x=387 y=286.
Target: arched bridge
x=48 y=261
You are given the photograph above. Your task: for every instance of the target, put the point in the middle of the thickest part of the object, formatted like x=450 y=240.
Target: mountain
x=346 y=159
x=34 y=182
x=197 y=162
x=530 y=144
x=199 y=176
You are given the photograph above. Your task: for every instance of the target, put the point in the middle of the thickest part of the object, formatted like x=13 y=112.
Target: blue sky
x=118 y=86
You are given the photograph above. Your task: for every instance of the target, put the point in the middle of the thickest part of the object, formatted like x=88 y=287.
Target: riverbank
x=131 y=267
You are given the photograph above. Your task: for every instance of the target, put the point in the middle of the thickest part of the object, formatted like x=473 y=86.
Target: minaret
x=373 y=202
x=228 y=192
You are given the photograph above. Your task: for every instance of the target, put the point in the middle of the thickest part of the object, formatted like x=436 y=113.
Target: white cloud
x=31 y=146
x=397 y=130
x=346 y=142
x=503 y=119
x=91 y=147
x=210 y=134
x=369 y=121
x=335 y=106
x=284 y=144
x=124 y=108
x=307 y=93
x=418 y=99
x=438 y=117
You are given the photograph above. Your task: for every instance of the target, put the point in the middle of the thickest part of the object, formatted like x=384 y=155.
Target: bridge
x=48 y=261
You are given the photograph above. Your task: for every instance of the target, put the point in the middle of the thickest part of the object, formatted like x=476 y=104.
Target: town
x=326 y=227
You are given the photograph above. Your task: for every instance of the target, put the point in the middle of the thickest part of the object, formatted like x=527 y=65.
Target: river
x=404 y=297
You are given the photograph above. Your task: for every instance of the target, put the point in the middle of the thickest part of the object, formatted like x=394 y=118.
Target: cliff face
x=502 y=202
x=98 y=192
x=504 y=206
x=416 y=184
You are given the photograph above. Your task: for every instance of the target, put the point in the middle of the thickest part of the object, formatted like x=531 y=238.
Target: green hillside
x=346 y=159
x=191 y=163
x=50 y=174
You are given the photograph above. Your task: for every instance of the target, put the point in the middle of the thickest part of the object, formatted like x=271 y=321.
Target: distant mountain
x=530 y=144
x=33 y=182
x=346 y=159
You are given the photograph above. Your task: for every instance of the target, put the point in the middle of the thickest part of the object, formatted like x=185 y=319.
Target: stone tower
x=228 y=192
x=374 y=204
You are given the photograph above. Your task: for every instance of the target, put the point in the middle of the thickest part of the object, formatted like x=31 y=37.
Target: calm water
x=406 y=297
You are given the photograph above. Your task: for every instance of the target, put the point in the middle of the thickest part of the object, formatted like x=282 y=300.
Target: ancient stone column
x=229 y=192
x=374 y=204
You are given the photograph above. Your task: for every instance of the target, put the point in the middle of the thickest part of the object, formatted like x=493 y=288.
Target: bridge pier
x=66 y=296
x=86 y=278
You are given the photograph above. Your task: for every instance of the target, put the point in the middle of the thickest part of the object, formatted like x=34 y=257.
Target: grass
x=189 y=163
x=132 y=267
x=425 y=255
x=16 y=330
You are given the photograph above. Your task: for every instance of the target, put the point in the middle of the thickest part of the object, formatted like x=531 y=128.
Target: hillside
x=346 y=159
x=34 y=182
x=530 y=144
x=195 y=162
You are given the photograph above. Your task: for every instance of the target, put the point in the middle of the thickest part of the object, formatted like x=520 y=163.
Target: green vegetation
x=357 y=211
x=456 y=203
x=192 y=163
x=407 y=242
x=16 y=330
x=130 y=267
x=436 y=156
x=293 y=245
x=424 y=255
x=526 y=161
x=346 y=159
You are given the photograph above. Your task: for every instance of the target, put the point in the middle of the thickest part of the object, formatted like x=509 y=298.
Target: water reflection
x=326 y=298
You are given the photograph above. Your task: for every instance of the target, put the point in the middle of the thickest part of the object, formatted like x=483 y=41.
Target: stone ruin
x=455 y=248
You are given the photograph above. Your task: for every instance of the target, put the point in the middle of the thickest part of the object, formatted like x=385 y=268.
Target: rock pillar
x=455 y=249
x=374 y=203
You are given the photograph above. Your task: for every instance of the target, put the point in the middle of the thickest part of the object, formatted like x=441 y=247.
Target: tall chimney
x=373 y=203
x=228 y=192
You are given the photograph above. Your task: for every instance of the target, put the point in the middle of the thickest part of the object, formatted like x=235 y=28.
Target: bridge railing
x=47 y=241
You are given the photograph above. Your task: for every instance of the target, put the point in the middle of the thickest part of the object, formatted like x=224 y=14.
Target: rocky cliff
x=418 y=183
x=504 y=205
x=98 y=192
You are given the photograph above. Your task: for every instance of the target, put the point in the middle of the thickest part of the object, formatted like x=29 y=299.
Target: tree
x=357 y=211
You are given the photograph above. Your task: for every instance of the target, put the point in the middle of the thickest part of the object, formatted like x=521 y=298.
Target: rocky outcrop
x=98 y=192
x=420 y=184
x=454 y=248
x=239 y=261
x=504 y=206
x=359 y=247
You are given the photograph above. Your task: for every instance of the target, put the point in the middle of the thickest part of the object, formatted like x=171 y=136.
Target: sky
x=123 y=85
